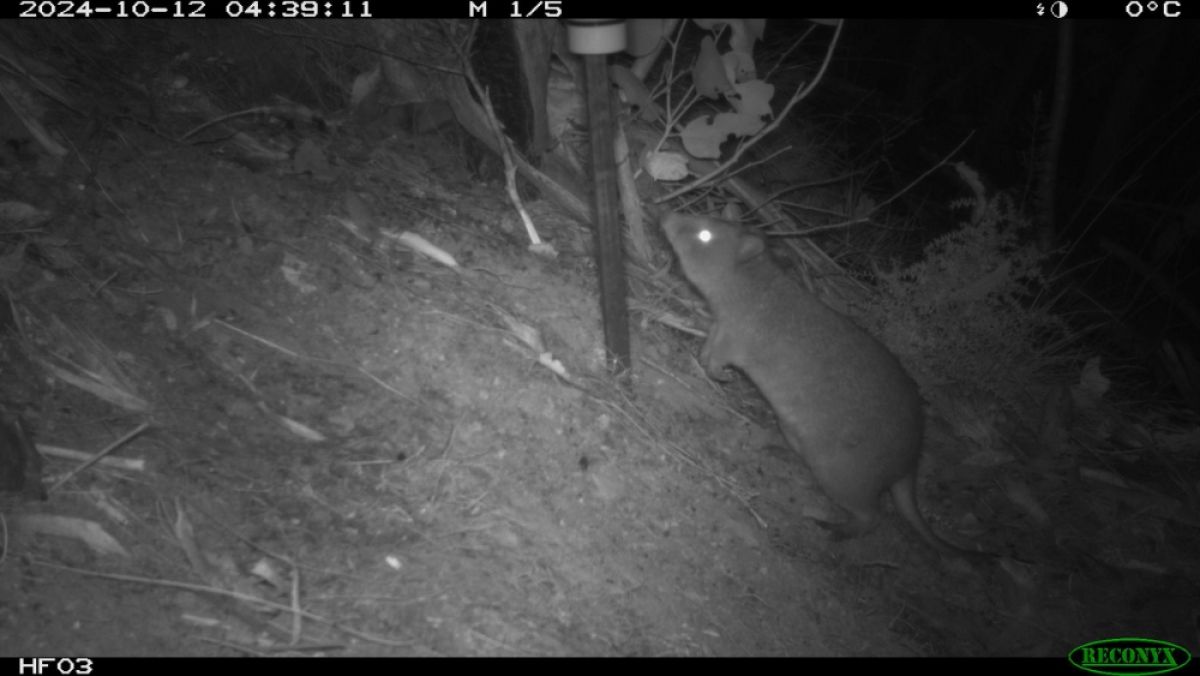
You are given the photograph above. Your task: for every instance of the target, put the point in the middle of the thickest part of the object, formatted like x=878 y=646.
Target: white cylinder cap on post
x=596 y=36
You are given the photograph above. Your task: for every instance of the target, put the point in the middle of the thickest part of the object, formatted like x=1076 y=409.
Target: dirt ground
x=354 y=450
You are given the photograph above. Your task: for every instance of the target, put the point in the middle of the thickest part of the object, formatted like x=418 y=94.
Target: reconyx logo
x=1129 y=657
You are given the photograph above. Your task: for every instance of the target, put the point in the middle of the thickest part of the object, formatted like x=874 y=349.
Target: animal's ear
x=750 y=246
x=671 y=222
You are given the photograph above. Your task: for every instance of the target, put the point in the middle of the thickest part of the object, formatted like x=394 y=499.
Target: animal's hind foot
x=844 y=529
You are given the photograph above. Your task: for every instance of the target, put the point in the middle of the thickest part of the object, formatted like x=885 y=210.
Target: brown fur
x=843 y=401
